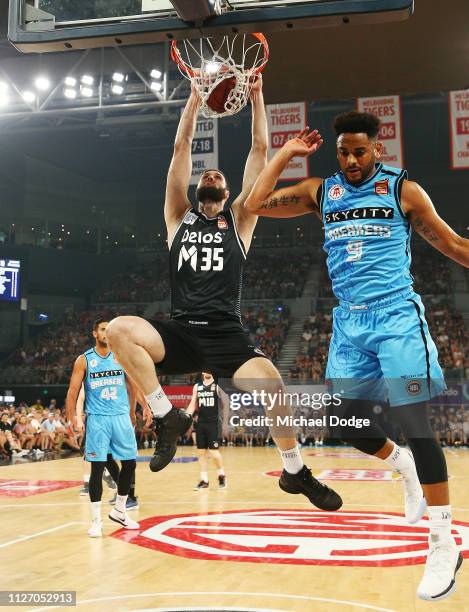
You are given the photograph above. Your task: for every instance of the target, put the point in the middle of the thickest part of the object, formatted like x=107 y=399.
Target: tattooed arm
x=423 y=217
x=291 y=201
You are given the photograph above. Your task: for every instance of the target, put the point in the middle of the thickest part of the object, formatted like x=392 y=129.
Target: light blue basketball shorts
x=110 y=434
x=383 y=351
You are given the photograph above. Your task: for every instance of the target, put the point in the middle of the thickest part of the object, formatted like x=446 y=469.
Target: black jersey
x=207 y=397
x=206 y=267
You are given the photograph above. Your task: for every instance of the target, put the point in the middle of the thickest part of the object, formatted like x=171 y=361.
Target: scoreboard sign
x=9 y=280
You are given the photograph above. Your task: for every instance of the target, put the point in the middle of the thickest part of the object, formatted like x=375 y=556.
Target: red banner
x=179 y=395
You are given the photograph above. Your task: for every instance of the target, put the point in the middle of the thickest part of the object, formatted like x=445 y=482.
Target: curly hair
x=357 y=123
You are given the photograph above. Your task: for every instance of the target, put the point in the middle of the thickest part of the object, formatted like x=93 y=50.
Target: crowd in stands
x=266 y=277
x=35 y=430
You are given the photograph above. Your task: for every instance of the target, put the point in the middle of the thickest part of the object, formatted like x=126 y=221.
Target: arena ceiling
x=427 y=53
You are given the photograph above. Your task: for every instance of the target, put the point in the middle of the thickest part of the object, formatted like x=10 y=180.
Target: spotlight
x=156 y=74
x=42 y=83
x=3 y=87
x=212 y=67
x=86 y=79
x=70 y=93
x=3 y=99
x=117 y=89
x=118 y=77
x=155 y=86
x=70 y=81
x=86 y=91
x=28 y=96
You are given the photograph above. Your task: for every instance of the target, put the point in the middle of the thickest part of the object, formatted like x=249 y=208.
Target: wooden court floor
x=249 y=547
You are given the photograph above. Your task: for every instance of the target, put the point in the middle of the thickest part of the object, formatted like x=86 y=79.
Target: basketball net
x=208 y=62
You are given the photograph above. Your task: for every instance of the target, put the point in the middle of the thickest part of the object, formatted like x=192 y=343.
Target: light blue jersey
x=105 y=386
x=366 y=236
x=109 y=429
x=381 y=348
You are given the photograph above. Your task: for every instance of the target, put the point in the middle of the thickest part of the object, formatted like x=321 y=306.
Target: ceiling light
x=86 y=79
x=28 y=96
x=70 y=81
x=86 y=91
x=70 y=93
x=155 y=86
x=118 y=77
x=156 y=74
x=42 y=83
x=117 y=89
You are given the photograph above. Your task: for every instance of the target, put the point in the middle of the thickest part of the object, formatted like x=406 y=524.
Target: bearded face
x=210 y=193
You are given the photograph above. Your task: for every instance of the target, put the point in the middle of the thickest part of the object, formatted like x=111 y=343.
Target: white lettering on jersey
x=186 y=255
x=359 y=230
x=201 y=238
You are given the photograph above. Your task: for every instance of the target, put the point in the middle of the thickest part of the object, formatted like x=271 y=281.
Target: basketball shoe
x=168 y=428
x=121 y=517
x=443 y=561
x=222 y=482
x=96 y=529
x=85 y=489
x=202 y=485
x=304 y=482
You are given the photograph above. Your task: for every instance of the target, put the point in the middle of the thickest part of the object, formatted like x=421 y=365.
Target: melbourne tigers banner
x=285 y=121
x=459 y=128
x=388 y=110
x=179 y=395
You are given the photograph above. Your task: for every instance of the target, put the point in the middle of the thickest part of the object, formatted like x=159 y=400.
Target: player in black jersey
x=207 y=397
x=208 y=247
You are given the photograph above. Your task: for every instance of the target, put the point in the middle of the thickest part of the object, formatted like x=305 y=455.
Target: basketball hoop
x=222 y=70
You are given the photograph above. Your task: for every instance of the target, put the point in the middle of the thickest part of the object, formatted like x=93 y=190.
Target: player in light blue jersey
x=381 y=347
x=110 y=397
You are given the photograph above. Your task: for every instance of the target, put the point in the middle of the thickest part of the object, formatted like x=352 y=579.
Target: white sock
x=96 y=511
x=120 y=502
x=158 y=402
x=292 y=461
x=399 y=459
x=221 y=472
x=86 y=479
x=440 y=521
x=204 y=476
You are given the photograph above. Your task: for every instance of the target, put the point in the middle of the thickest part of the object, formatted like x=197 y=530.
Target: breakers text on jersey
x=355 y=231
x=208 y=258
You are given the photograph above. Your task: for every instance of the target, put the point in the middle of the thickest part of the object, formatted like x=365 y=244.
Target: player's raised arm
x=76 y=380
x=180 y=169
x=194 y=403
x=293 y=201
x=257 y=157
x=423 y=217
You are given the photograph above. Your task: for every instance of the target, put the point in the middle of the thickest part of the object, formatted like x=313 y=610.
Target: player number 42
x=109 y=393
x=355 y=250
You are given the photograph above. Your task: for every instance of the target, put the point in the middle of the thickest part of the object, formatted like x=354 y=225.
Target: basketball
x=217 y=99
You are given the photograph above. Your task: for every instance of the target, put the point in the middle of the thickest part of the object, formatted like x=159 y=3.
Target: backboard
x=37 y=26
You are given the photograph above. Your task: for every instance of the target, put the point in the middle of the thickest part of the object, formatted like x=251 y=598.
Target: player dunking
x=207 y=398
x=380 y=336
x=208 y=248
x=109 y=430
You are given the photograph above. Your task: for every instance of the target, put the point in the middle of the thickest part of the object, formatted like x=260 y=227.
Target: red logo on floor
x=303 y=537
x=25 y=488
x=376 y=475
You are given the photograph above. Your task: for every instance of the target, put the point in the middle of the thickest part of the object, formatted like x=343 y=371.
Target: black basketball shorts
x=207 y=436
x=199 y=345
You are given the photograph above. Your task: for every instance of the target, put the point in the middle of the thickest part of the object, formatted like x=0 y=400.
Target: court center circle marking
x=341 y=602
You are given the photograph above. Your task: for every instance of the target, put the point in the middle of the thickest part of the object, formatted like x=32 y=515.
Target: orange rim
x=177 y=57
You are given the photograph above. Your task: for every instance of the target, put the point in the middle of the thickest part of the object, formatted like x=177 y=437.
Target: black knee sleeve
x=96 y=480
x=370 y=438
x=113 y=468
x=125 y=477
x=415 y=425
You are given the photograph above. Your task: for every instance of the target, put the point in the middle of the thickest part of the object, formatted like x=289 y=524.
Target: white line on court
x=35 y=535
x=342 y=602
